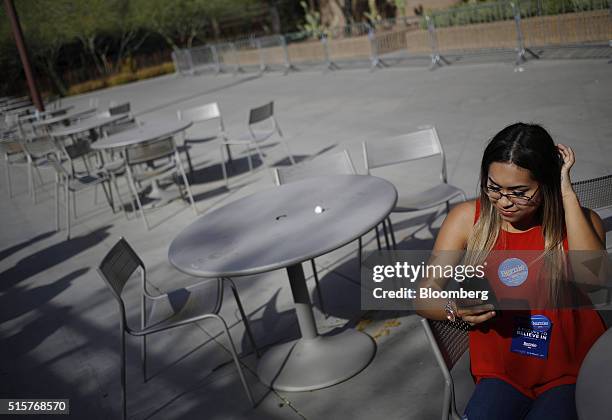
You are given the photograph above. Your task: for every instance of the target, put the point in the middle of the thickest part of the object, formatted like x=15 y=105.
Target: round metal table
x=147 y=131
x=593 y=400
x=93 y=122
x=74 y=115
x=279 y=228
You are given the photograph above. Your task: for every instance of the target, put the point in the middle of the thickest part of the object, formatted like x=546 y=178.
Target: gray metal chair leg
x=384 y=225
x=182 y=171
x=143 y=357
x=260 y=155
x=236 y=361
x=286 y=146
x=378 y=238
x=74 y=206
x=7 y=172
x=223 y=168
x=391 y=232
x=123 y=377
x=249 y=158
x=319 y=293
x=119 y=200
x=31 y=182
x=359 y=262
x=186 y=148
x=57 y=222
x=245 y=320
x=67 y=201
x=135 y=194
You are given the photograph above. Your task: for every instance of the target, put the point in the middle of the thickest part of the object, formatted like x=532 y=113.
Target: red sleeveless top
x=573 y=333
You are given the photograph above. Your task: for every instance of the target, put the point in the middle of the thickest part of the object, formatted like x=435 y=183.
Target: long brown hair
x=528 y=146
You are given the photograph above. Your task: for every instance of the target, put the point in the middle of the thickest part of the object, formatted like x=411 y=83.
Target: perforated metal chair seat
x=182 y=305
x=17 y=158
x=86 y=181
x=257 y=136
x=116 y=165
x=437 y=195
x=205 y=138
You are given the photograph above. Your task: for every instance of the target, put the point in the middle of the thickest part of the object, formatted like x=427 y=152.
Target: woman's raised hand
x=568 y=156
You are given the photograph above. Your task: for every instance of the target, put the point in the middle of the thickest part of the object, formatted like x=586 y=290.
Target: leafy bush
x=121 y=78
x=148 y=72
x=87 y=86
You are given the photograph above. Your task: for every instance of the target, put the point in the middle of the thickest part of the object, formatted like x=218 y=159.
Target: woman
x=526 y=203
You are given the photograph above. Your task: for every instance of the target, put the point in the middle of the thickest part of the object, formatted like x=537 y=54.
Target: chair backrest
x=449 y=340
x=339 y=163
x=120 y=109
x=10 y=147
x=149 y=151
x=120 y=127
x=78 y=149
x=416 y=145
x=39 y=147
x=594 y=193
x=200 y=113
x=117 y=266
x=261 y=113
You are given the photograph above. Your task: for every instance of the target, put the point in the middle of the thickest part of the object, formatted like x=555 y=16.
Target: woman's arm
x=585 y=230
x=453 y=236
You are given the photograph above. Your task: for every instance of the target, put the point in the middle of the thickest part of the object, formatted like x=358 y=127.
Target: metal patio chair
x=448 y=341
x=405 y=148
x=152 y=154
x=119 y=109
x=262 y=126
x=71 y=184
x=37 y=151
x=333 y=164
x=160 y=313
x=596 y=194
x=13 y=154
x=201 y=115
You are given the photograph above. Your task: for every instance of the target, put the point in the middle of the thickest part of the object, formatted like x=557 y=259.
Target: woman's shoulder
x=457 y=226
x=464 y=212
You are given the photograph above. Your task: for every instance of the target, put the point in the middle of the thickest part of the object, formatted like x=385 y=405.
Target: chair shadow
x=15 y=248
x=49 y=257
x=21 y=300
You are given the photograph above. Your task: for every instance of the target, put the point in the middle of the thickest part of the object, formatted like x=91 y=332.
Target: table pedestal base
x=314 y=363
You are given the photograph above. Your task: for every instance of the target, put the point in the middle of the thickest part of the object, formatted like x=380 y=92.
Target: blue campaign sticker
x=531 y=336
x=540 y=323
x=513 y=272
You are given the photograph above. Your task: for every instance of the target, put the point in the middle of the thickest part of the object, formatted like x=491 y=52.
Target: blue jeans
x=496 y=399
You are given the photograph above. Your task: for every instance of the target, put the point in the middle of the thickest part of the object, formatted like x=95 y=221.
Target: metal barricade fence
x=482 y=28
x=304 y=49
x=389 y=39
x=182 y=61
x=565 y=23
x=248 y=56
x=273 y=54
x=506 y=26
x=521 y=25
x=204 y=58
x=228 y=58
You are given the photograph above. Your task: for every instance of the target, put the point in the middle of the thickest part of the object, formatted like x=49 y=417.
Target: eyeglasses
x=517 y=198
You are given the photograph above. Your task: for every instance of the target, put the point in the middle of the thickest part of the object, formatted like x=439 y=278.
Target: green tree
x=46 y=29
